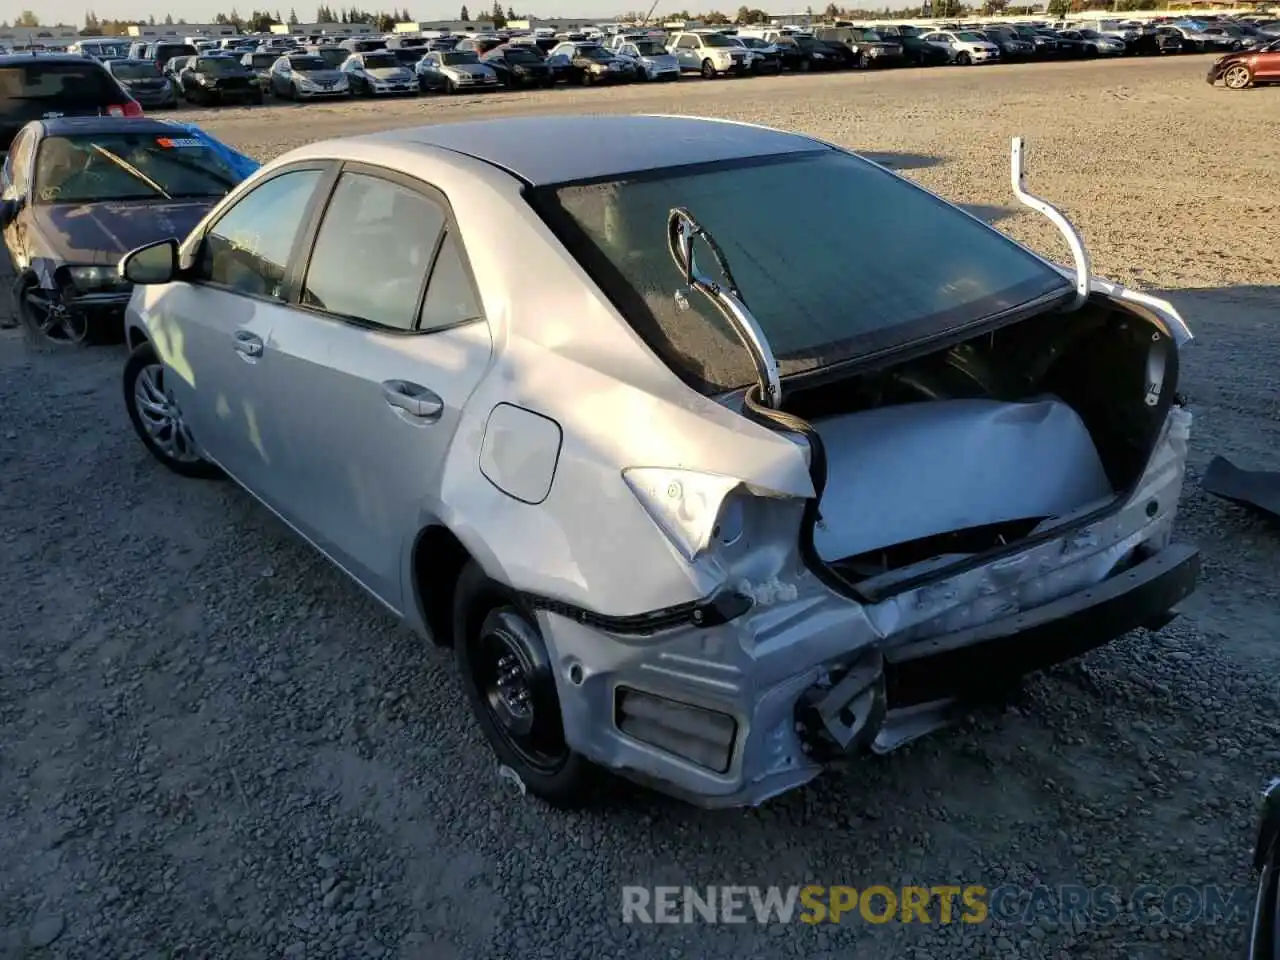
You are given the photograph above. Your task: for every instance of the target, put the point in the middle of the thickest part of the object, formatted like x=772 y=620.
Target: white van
x=99 y=48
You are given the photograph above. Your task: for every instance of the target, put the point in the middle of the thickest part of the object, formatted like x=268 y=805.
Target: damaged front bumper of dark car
x=740 y=711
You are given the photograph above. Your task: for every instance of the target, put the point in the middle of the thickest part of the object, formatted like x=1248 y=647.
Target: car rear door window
x=451 y=295
x=383 y=233
x=248 y=248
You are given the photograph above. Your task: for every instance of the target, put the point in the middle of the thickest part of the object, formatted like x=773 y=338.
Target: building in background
x=445 y=26
x=327 y=29
x=57 y=37
x=555 y=26
x=160 y=30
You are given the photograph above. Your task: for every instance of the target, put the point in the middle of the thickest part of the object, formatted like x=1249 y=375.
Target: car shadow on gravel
x=901 y=161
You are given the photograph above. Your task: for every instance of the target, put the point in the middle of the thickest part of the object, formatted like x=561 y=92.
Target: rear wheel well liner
x=439 y=558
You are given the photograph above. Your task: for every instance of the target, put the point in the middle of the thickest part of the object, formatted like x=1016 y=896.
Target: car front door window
x=248 y=248
x=383 y=233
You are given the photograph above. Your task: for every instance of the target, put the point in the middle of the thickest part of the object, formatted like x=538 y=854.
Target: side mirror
x=9 y=210
x=150 y=264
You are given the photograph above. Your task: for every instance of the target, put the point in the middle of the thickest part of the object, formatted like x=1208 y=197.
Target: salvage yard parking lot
x=212 y=744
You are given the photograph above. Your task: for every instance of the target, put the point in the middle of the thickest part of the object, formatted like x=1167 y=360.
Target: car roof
x=534 y=148
x=40 y=56
x=73 y=126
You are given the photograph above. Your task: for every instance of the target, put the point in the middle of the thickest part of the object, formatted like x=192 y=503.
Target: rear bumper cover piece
x=948 y=666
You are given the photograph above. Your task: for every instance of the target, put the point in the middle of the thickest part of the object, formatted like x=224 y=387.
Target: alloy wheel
x=161 y=417
x=1237 y=77
x=51 y=319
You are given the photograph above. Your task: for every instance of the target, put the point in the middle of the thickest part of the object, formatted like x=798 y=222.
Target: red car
x=1244 y=68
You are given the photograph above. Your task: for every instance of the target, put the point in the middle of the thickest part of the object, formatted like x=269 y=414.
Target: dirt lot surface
x=211 y=744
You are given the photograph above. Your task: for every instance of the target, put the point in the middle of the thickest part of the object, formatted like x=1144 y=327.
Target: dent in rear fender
x=590 y=542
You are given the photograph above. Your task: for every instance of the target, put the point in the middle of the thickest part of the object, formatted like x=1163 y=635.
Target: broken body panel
x=825 y=663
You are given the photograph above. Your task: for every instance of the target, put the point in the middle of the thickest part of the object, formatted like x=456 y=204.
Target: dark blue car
x=78 y=193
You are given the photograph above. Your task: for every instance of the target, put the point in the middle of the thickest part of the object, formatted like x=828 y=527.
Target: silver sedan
x=696 y=494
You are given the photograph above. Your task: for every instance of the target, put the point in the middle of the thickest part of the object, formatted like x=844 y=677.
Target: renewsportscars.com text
x=937 y=904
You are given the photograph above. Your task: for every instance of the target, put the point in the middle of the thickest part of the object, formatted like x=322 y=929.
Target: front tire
x=45 y=320
x=708 y=70
x=156 y=418
x=508 y=678
x=963 y=58
x=1237 y=77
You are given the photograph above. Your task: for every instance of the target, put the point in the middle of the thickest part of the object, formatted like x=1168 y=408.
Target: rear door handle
x=417 y=401
x=248 y=344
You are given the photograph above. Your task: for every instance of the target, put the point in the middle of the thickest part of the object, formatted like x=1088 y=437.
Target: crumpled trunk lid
x=904 y=473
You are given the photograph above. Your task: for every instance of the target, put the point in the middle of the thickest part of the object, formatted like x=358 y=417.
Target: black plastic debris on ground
x=1258 y=490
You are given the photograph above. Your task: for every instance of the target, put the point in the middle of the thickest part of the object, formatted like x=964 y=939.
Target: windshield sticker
x=169 y=142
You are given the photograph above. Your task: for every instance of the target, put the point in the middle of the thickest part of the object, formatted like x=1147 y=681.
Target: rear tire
x=502 y=658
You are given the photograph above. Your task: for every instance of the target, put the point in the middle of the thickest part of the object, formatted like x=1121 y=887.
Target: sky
x=200 y=11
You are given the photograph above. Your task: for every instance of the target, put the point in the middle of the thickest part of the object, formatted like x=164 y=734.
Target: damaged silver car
x=698 y=495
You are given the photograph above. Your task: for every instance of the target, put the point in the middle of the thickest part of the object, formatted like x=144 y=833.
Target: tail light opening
x=130 y=108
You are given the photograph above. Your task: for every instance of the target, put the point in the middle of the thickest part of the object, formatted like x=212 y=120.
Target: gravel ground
x=213 y=745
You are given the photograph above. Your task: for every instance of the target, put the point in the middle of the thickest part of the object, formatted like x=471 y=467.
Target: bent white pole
x=1084 y=270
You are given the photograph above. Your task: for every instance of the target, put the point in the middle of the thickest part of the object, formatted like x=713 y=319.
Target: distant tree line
x=260 y=21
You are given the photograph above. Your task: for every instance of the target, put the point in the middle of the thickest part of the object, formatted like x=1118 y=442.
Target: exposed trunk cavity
x=957 y=455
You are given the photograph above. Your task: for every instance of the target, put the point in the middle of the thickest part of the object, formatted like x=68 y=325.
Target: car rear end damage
x=984 y=506
x=740 y=711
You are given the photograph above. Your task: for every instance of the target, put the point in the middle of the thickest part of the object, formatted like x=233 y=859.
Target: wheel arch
x=436 y=561
x=134 y=336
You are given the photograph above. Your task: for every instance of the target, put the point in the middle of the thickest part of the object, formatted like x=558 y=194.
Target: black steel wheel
x=509 y=680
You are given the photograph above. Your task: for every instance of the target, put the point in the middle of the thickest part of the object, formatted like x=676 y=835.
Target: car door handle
x=248 y=344
x=417 y=401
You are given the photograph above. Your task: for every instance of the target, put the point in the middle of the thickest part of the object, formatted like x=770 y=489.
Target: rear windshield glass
x=129 y=166
x=65 y=83
x=334 y=56
x=220 y=66
x=519 y=55
x=135 y=69
x=866 y=261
